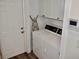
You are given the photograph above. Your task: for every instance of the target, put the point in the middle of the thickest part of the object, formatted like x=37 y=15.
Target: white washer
x=46 y=44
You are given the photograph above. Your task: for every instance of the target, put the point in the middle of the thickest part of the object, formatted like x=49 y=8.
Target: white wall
x=52 y=8
x=34 y=7
x=37 y=7
x=70 y=39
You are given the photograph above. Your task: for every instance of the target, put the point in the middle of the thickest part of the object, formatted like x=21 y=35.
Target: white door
x=12 y=40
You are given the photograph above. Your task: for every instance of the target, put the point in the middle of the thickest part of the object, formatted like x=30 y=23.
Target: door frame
x=27 y=28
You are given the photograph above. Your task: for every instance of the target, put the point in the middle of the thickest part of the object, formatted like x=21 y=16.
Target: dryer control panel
x=74 y=24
